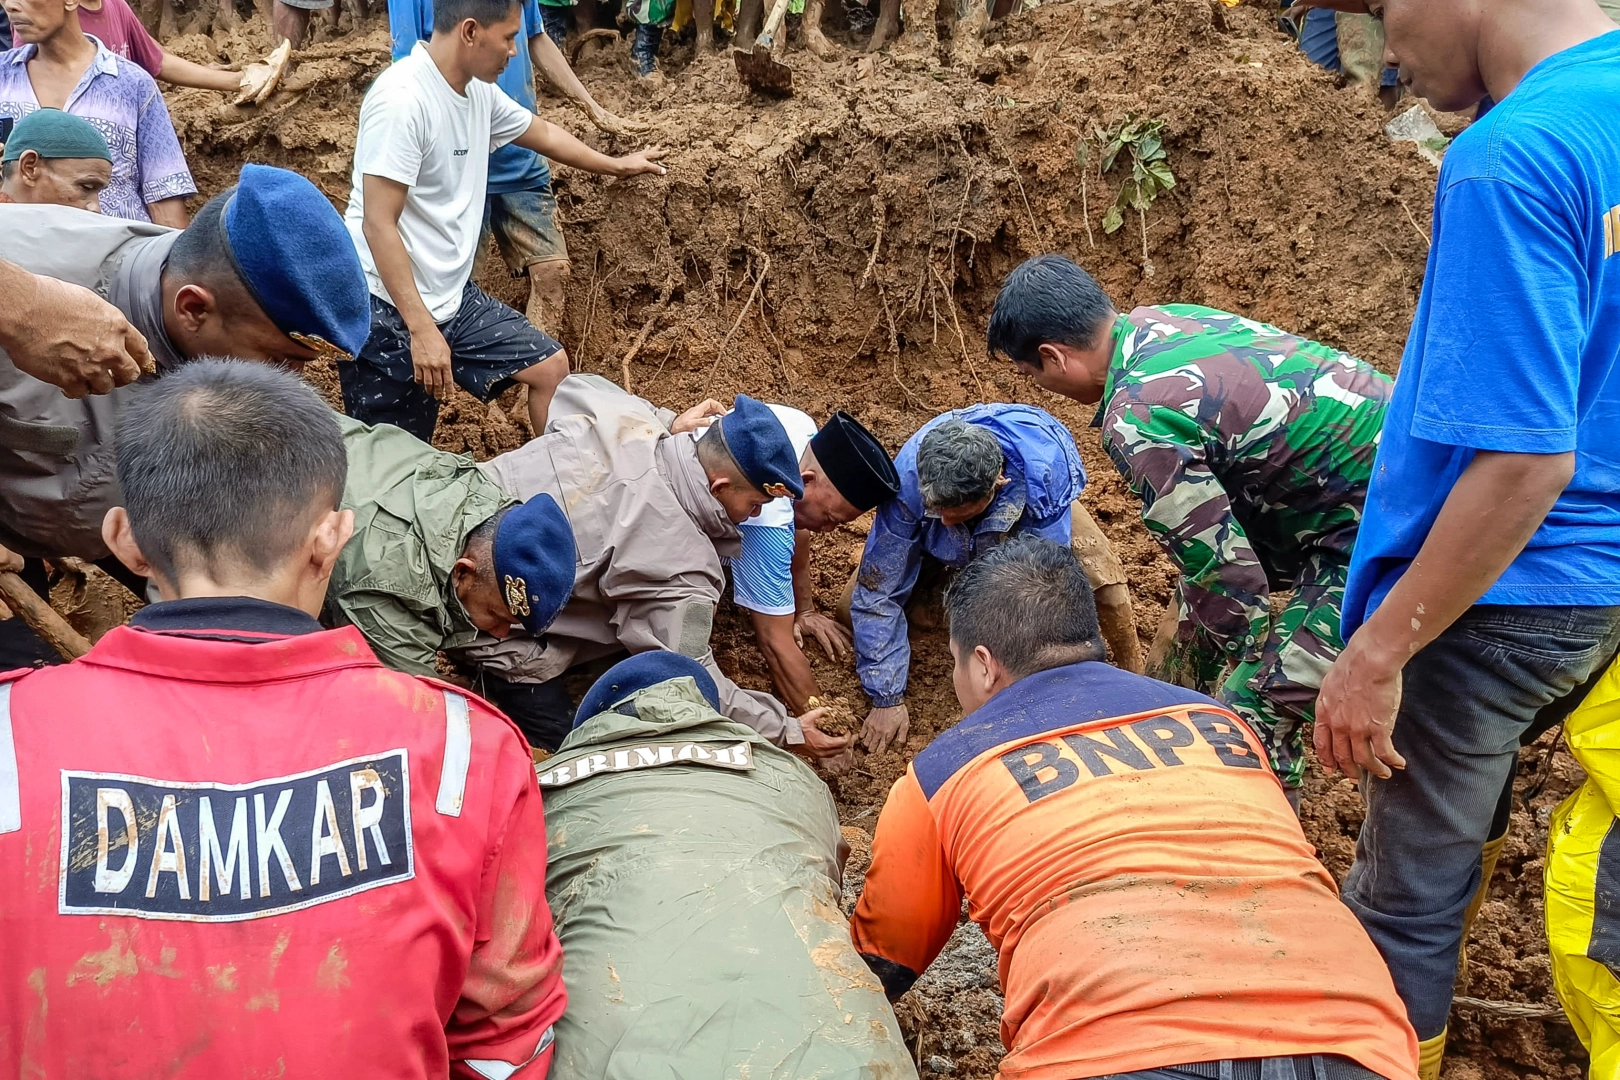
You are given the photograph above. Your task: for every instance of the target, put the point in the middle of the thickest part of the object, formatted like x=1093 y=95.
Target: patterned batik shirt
x=123 y=103
x=1250 y=448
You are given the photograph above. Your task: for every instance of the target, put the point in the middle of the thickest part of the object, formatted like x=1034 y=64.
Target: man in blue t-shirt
x=521 y=208
x=1484 y=590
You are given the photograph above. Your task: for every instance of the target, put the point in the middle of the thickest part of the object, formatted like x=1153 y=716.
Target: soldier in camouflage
x=1251 y=450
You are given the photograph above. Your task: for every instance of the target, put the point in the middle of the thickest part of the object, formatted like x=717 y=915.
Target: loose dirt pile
x=842 y=249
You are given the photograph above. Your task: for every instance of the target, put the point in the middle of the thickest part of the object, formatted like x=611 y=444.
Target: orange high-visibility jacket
x=1142 y=877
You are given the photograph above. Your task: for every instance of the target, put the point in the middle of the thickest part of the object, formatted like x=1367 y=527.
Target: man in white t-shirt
x=421 y=163
x=846 y=472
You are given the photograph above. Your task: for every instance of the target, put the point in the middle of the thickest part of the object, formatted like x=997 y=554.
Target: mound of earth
x=842 y=249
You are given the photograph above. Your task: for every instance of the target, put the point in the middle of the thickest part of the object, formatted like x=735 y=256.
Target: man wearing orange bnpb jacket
x=1157 y=911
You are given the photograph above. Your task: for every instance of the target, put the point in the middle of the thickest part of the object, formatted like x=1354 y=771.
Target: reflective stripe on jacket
x=227 y=858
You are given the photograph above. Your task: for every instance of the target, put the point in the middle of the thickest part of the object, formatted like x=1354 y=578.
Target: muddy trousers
x=1466 y=700
x=1115 y=613
x=1276 y=691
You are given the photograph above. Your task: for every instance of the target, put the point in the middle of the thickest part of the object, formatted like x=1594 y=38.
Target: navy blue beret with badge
x=297 y=259
x=643 y=670
x=534 y=562
x=760 y=446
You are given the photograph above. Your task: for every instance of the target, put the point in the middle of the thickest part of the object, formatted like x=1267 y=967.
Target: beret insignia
x=517 y=596
x=778 y=491
x=323 y=349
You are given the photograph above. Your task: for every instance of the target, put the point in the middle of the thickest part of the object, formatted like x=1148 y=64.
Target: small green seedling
x=1150 y=176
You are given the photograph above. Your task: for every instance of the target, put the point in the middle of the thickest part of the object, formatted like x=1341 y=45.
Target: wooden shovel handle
x=41 y=617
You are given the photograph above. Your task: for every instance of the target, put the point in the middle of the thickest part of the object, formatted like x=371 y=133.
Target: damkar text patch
x=160 y=849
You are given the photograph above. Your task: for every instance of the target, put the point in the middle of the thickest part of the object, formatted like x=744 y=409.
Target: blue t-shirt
x=1515 y=345
x=511 y=168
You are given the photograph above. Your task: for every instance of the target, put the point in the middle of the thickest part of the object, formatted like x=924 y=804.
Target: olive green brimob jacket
x=694 y=879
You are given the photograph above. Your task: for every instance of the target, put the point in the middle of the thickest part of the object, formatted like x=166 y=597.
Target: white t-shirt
x=800 y=430
x=762 y=572
x=416 y=130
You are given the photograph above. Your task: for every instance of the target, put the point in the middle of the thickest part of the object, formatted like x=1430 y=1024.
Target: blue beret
x=641 y=672
x=760 y=446
x=534 y=561
x=296 y=257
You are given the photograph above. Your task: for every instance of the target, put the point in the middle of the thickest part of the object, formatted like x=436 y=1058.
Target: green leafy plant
x=1141 y=142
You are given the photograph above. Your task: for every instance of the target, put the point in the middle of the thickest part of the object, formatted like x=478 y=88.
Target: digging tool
x=41 y=617
x=757 y=67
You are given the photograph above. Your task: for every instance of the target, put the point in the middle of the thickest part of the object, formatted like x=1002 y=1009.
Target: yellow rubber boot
x=1487 y=867
x=1431 y=1052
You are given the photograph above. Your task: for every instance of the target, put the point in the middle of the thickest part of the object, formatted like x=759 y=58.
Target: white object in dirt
x=1416 y=126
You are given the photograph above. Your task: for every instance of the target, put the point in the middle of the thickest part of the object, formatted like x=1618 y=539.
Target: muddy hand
x=430 y=361
x=259 y=80
x=885 y=727
x=614 y=124
x=642 y=161
x=830 y=634
x=818 y=746
x=1356 y=711
x=697 y=416
x=66 y=335
x=10 y=560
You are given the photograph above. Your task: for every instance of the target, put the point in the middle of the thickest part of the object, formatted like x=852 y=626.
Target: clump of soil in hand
x=839 y=719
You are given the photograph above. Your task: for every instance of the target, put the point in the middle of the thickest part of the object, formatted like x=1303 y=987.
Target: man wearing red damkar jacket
x=235 y=844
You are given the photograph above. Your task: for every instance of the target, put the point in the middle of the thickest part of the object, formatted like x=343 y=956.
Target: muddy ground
x=841 y=249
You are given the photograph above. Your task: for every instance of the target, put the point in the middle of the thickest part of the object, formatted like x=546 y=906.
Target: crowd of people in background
x=334 y=802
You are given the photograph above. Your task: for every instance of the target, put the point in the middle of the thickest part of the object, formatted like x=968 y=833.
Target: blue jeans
x=1465 y=702
x=1312 y=1067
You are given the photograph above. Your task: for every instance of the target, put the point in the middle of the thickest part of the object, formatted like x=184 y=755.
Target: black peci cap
x=855 y=462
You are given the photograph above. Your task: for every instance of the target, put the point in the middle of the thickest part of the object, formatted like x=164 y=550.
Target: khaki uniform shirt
x=649 y=535
x=413 y=509
x=58 y=476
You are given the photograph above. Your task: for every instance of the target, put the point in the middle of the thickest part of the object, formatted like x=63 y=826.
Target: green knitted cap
x=52 y=133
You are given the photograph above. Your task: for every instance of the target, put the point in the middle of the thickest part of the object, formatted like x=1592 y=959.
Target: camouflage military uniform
x=1251 y=450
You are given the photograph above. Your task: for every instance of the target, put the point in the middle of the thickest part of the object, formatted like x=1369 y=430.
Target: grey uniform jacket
x=649 y=536
x=693 y=876
x=58 y=476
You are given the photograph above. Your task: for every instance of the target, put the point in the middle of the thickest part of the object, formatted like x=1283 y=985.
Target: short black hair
x=715 y=456
x=448 y=14
x=225 y=462
x=1047 y=299
x=480 y=544
x=958 y=464
x=1029 y=602
x=201 y=256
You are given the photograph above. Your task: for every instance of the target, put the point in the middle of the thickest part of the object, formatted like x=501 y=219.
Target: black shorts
x=489 y=343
